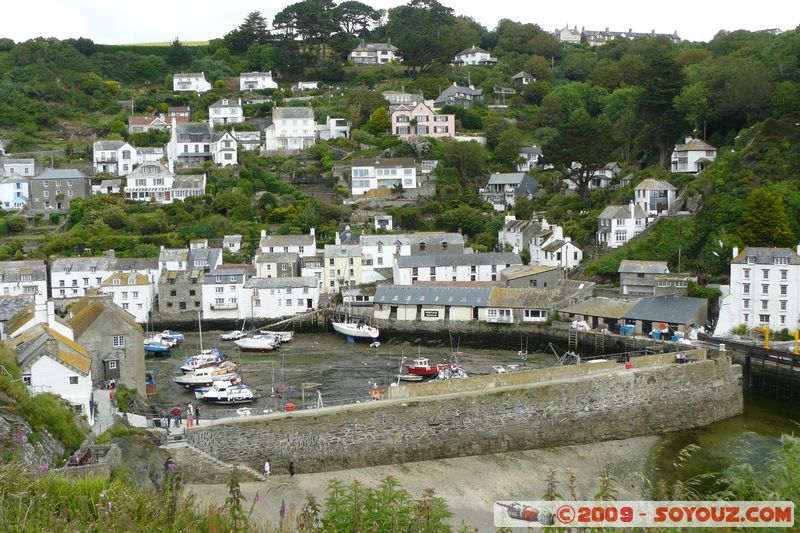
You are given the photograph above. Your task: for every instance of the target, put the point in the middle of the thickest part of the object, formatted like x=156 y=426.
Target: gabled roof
x=375 y=47
x=531 y=150
x=227 y=102
x=192 y=181
x=694 y=145
x=40 y=341
x=189 y=74
x=406 y=239
x=115 y=183
x=137 y=263
x=621 y=211
x=669 y=309
x=83 y=264
x=267 y=74
x=230 y=239
x=457 y=90
x=601 y=307
x=472 y=50
x=385 y=162
x=173 y=254
x=194 y=129
x=16 y=161
x=292 y=112
x=507 y=178
x=60 y=174
x=275 y=283
x=651 y=184
x=287 y=240
x=109 y=145
x=10 y=306
x=520 y=75
x=493 y=258
x=342 y=250
x=12 y=271
x=766 y=256
x=87 y=309
x=432 y=295
x=277 y=257
x=126 y=279
x=631 y=266
x=522 y=271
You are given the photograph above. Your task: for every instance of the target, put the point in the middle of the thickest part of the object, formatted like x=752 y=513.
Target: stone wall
x=581 y=404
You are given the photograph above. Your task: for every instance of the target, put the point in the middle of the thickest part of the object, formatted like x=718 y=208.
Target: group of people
x=267 y=468
x=174 y=417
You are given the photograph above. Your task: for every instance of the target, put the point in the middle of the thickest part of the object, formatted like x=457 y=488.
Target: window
x=765 y=289
x=784 y=275
x=783 y=305
x=112 y=365
x=784 y=290
x=192 y=292
x=422 y=246
x=116 y=281
x=751 y=260
x=85 y=281
x=764 y=319
x=219 y=290
x=746 y=272
x=746 y=304
x=765 y=273
x=74 y=282
x=746 y=288
x=181 y=305
x=118 y=341
x=135 y=294
x=46 y=194
x=173 y=293
x=746 y=317
x=783 y=319
x=780 y=261
x=73 y=380
x=257 y=302
x=125 y=306
x=764 y=305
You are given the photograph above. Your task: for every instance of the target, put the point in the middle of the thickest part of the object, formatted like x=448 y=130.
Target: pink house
x=419 y=119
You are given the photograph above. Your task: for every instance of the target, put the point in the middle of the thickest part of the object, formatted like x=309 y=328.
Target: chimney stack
x=736 y=251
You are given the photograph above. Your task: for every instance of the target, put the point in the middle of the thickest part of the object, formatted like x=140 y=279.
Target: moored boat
x=225 y=392
x=168 y=334
x=356 y=329
x=282 y=336
x=422 y=367
x=232 y=335
x=155 y=346
x=257 y=343
x=204 y=377
x=210 y=357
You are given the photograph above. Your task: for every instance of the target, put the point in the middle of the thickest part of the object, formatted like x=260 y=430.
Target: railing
x=224 y=307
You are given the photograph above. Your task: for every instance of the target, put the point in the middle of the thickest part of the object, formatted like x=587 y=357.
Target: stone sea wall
x=534 y=409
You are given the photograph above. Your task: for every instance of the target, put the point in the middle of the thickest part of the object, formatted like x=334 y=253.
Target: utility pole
x=679 y=258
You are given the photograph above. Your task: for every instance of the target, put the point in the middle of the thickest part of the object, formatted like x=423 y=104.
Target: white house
x=248 y=140
x=334 y=128
x=502 y=189
x=529 y=158
x=516 y=234
x=224 y=295
x=384 y=249
x=474 y=55
x=232 y=243
x=23 y=277
x=522 y=78
x=18 y=167
x=145 y=123
x=549 y=247
x=133 y=292
x=618 y=224
x=292 y=128
x=452 y=267
x=343 y=267
x=568 y=35
x=154 y=182
x=692 y=156
x=765 y=288
x=256 y=81
x=313 y=267
x=371 y=174
x=190 y=143
x=53 y=363
x=71 y=277
x=397 y=97
x=14 y=191
x=383 y=222
x=281 y=297
x=306 y=85
x=654 y=196
x=114 y=157
x=225 y=149
x=225 y=111
x=303 y=245
x=190 y=81
x=375 y=53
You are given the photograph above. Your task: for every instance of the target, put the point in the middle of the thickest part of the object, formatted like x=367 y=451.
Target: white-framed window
x=746 y=304
x=765 y=289
x=219 y=290
x=764 y=319
x=783 y=305
x=746 y=272
x=73 y=380
x=784 y=290
x=765 y=273
x=118 y=341
x=764 y=305
x=746 y=288
x=112 y=365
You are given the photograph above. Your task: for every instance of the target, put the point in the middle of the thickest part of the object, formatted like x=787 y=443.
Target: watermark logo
x=759 y=514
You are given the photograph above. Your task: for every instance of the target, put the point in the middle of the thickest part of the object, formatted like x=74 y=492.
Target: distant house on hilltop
x=693 y=156
x=474 y=55
x=375 y=53
x=256 y=81
x=458 y=95
x=522 y=78
x=190 y=81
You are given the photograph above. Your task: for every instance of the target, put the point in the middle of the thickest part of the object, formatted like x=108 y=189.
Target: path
x=105 y=411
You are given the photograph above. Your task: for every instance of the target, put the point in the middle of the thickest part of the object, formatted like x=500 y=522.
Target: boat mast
x=200 y=329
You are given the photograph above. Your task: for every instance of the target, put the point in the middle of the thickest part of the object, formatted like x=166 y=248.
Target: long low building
x=453 y=267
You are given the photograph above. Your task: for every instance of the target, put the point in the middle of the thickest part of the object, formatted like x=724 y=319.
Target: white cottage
x=618 y=224
x=114 y=157
x=292 y=129
x=190 y=81
x=474 y=55
x=225 y=111
x=256 y=81
x=693 y=156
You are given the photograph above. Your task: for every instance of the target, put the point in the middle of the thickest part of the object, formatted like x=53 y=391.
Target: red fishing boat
x=422 y=367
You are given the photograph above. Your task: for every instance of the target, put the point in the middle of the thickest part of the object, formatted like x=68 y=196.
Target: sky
x=144 y=21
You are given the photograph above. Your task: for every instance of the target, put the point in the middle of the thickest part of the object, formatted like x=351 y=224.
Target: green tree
x=663 y=81
x=765 y=221
x=252 y=31
x=17 y=223
x=356 y=17
x=379 y=122
x=259 y=57
x=693 y=103
x=509 y=143
x=539 y=67
x=178 y=55
x=415 y=29
x=469 y=158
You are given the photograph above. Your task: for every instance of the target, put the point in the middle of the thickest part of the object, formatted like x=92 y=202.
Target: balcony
x=224 y=307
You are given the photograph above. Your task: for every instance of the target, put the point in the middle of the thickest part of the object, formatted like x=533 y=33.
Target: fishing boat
x=234 y=335
x=257 y=343
x=422 y=367
x=226 y=392
x=211 y=357
x=155 y=346
x=282 y=336
x=203 y=377
x=168 y=334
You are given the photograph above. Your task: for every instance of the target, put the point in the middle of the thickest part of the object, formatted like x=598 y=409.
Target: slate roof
x=292 y=112
x=130 y=264
x=276 y=283
x=506 y=178
x=231 y=102
x=83 y=264
x=493 y=258
x=33 y=345
x=388 y=162
x=621 y=211
x=766 y=256
x=472 y=50
x=375 y=47
x=10 y=306
x=193 y=181
x=189 y=74
x=87 y=309
x=520 y=298
x=278 y=257
x=16 y=161
x=225 y=273
x=114 y=184
x=630 y=266
x=231 y=239
x=173 y=254
x=521 y=271
x=457 y=91
x=211 y=255
x=670 y=309
x=197 y=131
x=694 y=145
x=126 y=279
x=60 y=174
x=531 y=150
x=287 y=240
x=342 y=250
x=109 y=145
x=11 y=271
x=651 y=184
x=521 y=74
x=554 y=246
x=267 y=74
x=428 y=237
x=601 y=307
x=432 y=295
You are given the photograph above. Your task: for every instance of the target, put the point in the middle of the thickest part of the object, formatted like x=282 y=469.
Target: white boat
x=234 y=335
x=225 y=392
x=356 y=329
x=257 y=343
x=205 y=358
x=203 y=377
x=282 y=336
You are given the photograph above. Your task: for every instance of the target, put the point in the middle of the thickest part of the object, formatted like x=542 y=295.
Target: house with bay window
x=382 y=173
x=618 y=224
x=114 y=157
x=155 y=182
x=419 y=119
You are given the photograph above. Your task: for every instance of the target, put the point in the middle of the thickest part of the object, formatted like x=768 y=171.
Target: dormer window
x=444 y=246
x=93 y=269
x=116 y=281
x=780 y=261
x=751 y=259
x=421 y=246
x=380 y=247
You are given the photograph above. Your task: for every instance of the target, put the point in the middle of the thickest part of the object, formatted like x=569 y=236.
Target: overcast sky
x=198 y=20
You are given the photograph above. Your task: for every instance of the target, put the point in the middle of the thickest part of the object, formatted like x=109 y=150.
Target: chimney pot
x=735 y=251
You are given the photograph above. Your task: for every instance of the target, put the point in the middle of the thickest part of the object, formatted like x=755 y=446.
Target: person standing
x=197 y=415
x=189 y=416
x=266 y=467
x=291 y=468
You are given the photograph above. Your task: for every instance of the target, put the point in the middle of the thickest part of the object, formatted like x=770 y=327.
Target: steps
x=199 y=466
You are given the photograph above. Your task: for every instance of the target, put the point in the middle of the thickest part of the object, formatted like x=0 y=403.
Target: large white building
x=474 y=55
x=692 y=156
x=190 y=81
x=452 y=267
x=765 y=288
x=224 y=295
x=375 y=53
x=23 y=277
x=133 y=292
x=292 y=129
x=71 y=277
x=549 y=247
x=654 y=196
x=225 y=111
x=384 y=249
x=114 y=157
x=281 y=297
x=256 y=81
x=343 y=267
x=154 y=182
x=303 y=245
x=618 y=224
x=370 y=174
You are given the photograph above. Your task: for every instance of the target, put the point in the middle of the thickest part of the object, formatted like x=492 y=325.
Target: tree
x=469 y=158
x=415 y=29
x=253 y=30
x=693 y=103
x=583 y=140
x=509 y=143
x=356 y=17
x=378 y=122
x=539 y=67
x=663 y=81
x=259 y=57
x=16 y=223
x=765 y=221
x=313 y=21
x=178 y=55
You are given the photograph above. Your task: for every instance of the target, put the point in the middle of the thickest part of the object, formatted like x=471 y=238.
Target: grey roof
x=432 y=295
x=208 y=254
x=651 y=184
x=278 y=257
x=173 y=254
x=694 y=145
x=60 y=174
x=519 y=226
x=11 y=270
x=601 y=307
x=190 y=74
x=254 y=74
x=111 y=183
x=766 y=256
x=130 y=264
x=375 y=47
x=287 y=240
x=522 y=271
x=231 y=238
x=225 y=273
x=472 y=50
x=531 y=150
x=493 y=258
x=83 y=264
x=506 y=178
x=276 y=283
x=16 y=161
x=457 y=90
x=630 y=266
x=108 y=145
x=521 y=74
x=292 y=112
x=231 y=102
x=11 y=305
x=554 y=246
x=195 y=130
x=193 y=181
x=670 y=309
x=387 y=162
x=621 y=211
x=342 y=250
x=432 y=237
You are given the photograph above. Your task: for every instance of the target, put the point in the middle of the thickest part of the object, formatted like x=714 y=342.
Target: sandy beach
x=470 y=485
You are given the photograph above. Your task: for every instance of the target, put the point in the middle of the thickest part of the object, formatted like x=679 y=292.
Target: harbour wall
x=489 y=414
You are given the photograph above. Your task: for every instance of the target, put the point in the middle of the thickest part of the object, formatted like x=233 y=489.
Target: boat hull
x=230 y=401
x=255 y=345
x=204 y=382
x=356 y=331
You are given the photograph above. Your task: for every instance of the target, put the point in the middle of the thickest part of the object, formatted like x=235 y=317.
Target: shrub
x=16 y=223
